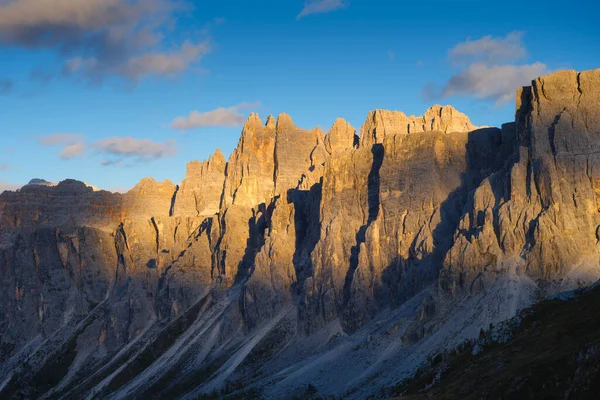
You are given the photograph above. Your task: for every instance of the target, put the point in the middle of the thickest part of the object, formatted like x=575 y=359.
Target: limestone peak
x=271 y=122
x=253 y=122
x=217 y=158
x=340 y=136
x=284 y=121
x=437 y=118
x=446 y=119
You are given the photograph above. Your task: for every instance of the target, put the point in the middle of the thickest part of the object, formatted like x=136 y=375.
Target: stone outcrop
x=297 y=231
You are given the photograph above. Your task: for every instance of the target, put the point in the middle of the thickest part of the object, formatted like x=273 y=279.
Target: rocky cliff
x=304 y=251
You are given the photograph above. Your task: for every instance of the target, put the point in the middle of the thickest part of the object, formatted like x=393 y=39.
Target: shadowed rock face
x=180 y=289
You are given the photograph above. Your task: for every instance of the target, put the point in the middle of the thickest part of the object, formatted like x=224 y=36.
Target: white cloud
x=72 y=143
x=488 y=49
x=488 y=70
x=137 y=150
x=119 y=151
x=99 y=38
x=60 y=139
x=321 y=6
x=39 y=22
x=113 y=163
x=98 y=26
x=221 y=116
x=72 y=151
x=167 y=64
x=498 y=83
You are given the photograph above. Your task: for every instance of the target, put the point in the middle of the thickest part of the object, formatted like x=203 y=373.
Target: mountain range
x=311 y=265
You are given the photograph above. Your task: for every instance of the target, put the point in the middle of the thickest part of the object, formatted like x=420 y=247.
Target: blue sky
x=111 y=91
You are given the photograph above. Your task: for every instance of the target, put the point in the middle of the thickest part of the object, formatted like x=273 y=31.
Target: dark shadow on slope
x=162 y=302
x=257 y=226
x=173 y=200
x=373 y=185
x=307 y=224
x=139 y=362
x=488 y=150
x=51 y=373
x=38 y=378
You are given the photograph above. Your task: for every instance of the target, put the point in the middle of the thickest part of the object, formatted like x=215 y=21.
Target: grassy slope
x=554 y=353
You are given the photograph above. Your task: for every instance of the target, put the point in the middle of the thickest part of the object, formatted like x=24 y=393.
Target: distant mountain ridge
x=339 y=261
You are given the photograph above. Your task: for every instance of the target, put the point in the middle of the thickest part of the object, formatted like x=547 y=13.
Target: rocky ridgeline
x=317 y=227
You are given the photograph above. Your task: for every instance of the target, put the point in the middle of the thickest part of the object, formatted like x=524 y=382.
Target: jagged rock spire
x=341 y=136
x=271 y=122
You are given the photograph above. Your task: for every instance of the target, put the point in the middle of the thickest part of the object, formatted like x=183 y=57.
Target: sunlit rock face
x=341 y=137
x=382 y=123
x=200 y=192
x=183 y=289
x=540 y=212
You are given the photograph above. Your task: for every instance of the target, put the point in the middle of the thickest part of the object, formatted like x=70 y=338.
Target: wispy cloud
x=167 y=64
x=490 y=50
x=321 y=6
x=123 y=149
x=99 y=38
x=221 y=116
x=3 y=167
x=59 y=139
x=489 y=70
x=72 y=151
x=72 y=143
x=117 y=151
x=498 y=83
